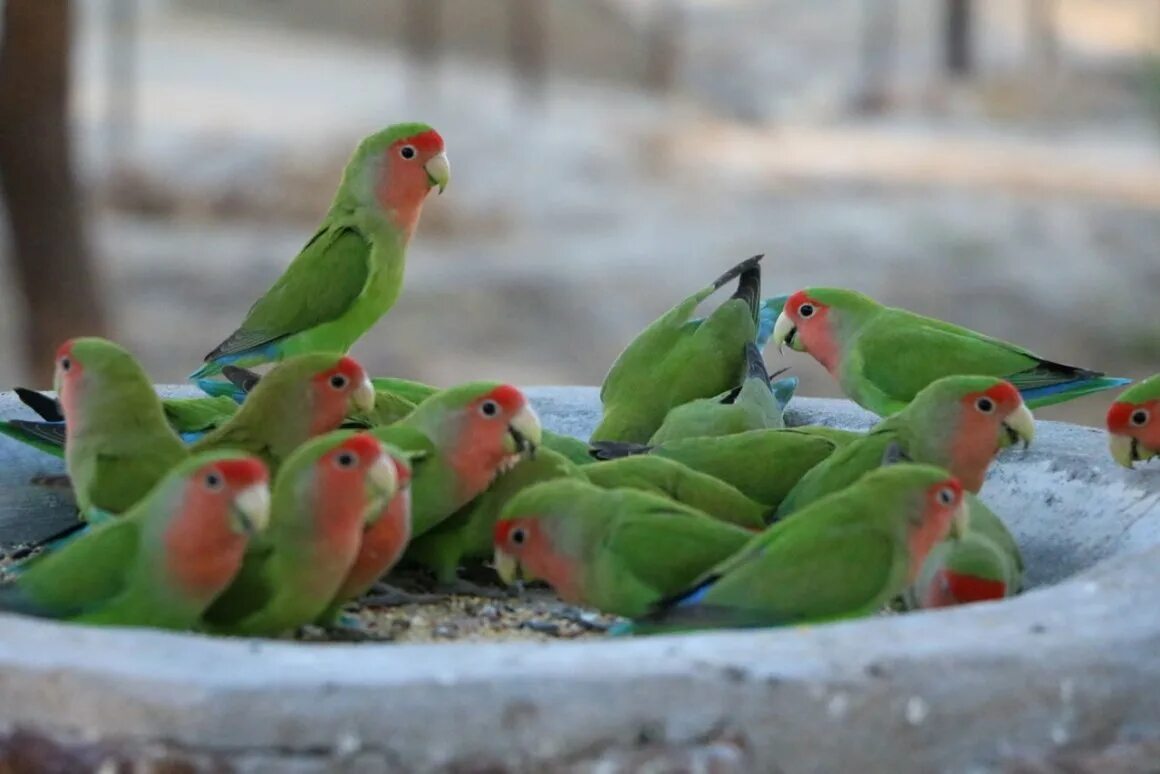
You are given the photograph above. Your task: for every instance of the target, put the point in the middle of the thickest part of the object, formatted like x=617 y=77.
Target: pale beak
x=1127 y=450
x=252 y=508
x=1019 y=426
x=506 y=566
x=382 y=483
x=363 y=397
x=785 y=332
x=438 y=169
x=961 y=521
x=524 y=432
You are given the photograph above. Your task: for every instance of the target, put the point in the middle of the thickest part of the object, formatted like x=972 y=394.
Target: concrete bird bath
x=1065 y=677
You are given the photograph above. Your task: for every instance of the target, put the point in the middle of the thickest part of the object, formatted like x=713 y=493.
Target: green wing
x=902 y=353
x=192 y=415
x=84 y=574
x=838 y=471
x=667 y=548
x=249 y=592
x=416 y=392
x=319 y=286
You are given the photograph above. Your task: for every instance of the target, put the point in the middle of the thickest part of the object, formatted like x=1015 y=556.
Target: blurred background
x=992 y=162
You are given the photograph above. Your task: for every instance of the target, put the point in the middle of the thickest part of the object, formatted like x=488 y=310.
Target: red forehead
x=240 y=473
x=507 y=396
x=64 y=349
x=797 y=299
x=1004 y=392
x=347 y=366
x=425 y=142
x=1120 y=413
x=952 y=483
x=503 y=529
x=365 y=445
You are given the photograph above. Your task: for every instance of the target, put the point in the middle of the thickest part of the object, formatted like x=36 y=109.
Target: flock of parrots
x=280 y=497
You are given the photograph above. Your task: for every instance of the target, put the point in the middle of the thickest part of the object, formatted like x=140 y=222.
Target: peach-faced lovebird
x=846 y=555
x=618 y=550
x=1134 y=423
x=382 y=542
x=882 y=356
x=677 y=359
x=351 y=271
x=323 y=497
x=984 y=565
x=458 y=440
x=958 y=422
x=467 y=534
x=163 y=562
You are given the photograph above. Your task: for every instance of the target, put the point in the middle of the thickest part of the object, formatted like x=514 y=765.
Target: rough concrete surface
x=1064 y=678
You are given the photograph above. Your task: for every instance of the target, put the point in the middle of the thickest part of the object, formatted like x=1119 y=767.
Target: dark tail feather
x=53 y=542
x=243 y=378
x=47 y=408
x=51 y=434
x=746 y=265
x=612 y=450
x=755 y=364
x=749 y=286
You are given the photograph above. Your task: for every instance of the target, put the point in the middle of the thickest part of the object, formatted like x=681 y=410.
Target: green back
x=680 y=483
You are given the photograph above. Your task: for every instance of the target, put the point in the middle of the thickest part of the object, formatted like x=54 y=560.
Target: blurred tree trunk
x=664 y=52
x=422 y=31
x=959 y=59
x=879 y=44
x=52 y=261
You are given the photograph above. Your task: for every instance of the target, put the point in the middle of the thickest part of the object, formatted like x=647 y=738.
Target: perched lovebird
x=958 y=423
x=984 y=565
x=164 y=561
x=618 y=550
x=351 y=271
x=458 y=440
x=764 y=465
x=119 y=443
x=677 y=359
x=467 y=534
x=322 y=499
x=300 y=398
x=755 y=404
x=847 y=555
x=1134 y=423
x=682 y=484
x=882 y=356
x=382 y=542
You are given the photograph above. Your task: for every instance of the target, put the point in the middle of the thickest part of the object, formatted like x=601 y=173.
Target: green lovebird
x=764 y=465
x=458 y=440
x=618 y=550
x=677 y=359
x=985 y=565
x=882 y=356
x=958 y=423
x=467 y=534
x=322 y=499
x=1134 y=423
x=682 y=484
x=382 y=542
x=847 y=555
x=300 y=398
x=164 y=561
x=754 y=404
x=351 y=271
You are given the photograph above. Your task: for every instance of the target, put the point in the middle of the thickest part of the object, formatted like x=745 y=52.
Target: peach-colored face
x=404 y=181
x=942 y=501
x=66 y=378
x=526 y=539
x=813 y=329
x=1140 y=421
x=333 y=390
x=980 y=432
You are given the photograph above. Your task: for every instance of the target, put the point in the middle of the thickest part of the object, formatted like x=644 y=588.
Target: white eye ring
x=339 y=381
x=214 y=482
x=806 y=311
x=519 y=536
x=1140 y=417
x=65 y=364
x=985 y=405
x=346 y=460
x=946 y=495
x=408 y=152
x=489 y=408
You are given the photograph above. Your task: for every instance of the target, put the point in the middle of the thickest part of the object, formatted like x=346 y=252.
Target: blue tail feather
x=1049 y=394
x=767 y=318
x=783 y=390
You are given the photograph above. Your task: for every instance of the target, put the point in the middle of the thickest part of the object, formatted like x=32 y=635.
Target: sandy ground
x=568 y=228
